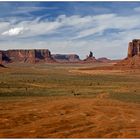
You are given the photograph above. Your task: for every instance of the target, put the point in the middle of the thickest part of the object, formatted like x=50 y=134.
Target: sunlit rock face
x=133 y=56
x=134 y=48
x=66 y=57
x=90 y=58
x=0 y=57
x=26 y=56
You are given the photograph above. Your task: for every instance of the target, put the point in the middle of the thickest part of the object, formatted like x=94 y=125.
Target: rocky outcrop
x=90 y=58
x=0 y=57
x=133 y=56
x=26 y=56
x=134 y=48
x=1 y=63
x=66 y=57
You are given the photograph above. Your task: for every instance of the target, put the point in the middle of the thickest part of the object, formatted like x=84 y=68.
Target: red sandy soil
x=69 y=117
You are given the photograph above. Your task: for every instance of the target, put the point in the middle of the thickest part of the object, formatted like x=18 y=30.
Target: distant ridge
x=34 y=56
x=66 y=57
x=26 y=56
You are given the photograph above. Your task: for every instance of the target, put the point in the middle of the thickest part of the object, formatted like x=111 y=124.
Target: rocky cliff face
x=66 y=57
x=133 y=56
x=0 y=57
x=90 y=58
x=134 y=48
x=26 y=56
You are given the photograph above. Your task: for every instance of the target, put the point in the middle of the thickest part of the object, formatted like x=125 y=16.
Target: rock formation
x=0 y=58
x=90 y=58
x=26 y=56
x=134 y=48
x=104 y=60
x=133 y=56
x=66 y=57
x=1 y=63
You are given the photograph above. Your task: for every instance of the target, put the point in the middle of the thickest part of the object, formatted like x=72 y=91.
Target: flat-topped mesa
x=27 y=56
x=134 y=48
x=66 y=57
x=104 y=59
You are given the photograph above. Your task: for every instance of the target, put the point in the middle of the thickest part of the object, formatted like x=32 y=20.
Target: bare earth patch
x=69 y=117
x=69 y=101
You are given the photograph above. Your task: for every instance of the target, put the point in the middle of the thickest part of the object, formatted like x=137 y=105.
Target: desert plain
x=69 y=101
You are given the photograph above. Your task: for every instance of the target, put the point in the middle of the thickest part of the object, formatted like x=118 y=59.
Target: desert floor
x=66 y=101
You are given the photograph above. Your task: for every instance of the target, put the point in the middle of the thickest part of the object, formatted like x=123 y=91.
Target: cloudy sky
x=70 y=27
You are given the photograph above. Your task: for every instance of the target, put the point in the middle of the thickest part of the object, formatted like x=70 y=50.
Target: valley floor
x=63 y=101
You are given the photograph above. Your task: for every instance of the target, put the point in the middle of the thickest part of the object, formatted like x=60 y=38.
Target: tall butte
x=134 y=48
x=133 y=56
x=90 y=58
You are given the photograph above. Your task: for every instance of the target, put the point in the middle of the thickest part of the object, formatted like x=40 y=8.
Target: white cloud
x=4 y=25
x=74 y=20
x=137 y=9
x=29 y=9
x=13 y=31
x=36 y=27
x=109 y=21
x=80 y=26
x=114 y=44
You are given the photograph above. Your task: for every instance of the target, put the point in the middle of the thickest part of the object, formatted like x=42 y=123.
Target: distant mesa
x=104 y=60
x=34 y=56
x=133 y=56
x=66 y=57
x=74 y=58
x=26 y=56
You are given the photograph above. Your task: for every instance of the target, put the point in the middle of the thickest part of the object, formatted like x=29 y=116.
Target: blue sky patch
x=70 y=27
